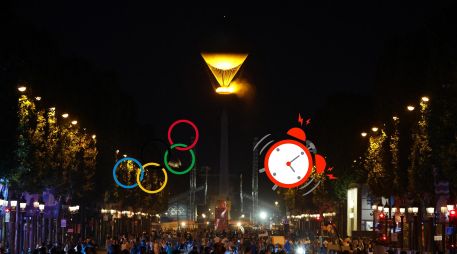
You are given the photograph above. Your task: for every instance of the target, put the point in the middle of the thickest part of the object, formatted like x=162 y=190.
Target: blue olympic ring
x=117 y=180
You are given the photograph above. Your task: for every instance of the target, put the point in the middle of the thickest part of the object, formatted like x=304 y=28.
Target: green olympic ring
x=165 y=160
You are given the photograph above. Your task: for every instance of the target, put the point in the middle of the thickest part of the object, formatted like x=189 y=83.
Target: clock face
x=288 y=163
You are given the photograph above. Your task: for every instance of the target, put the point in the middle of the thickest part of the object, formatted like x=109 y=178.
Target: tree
x=421 y=178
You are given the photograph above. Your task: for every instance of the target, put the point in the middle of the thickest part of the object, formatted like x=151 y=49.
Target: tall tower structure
x=255 y=181
x=241 y=194
x=193 y=189
x=224 y=158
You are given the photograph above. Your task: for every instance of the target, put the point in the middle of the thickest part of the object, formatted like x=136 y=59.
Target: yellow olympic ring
x=138 y=174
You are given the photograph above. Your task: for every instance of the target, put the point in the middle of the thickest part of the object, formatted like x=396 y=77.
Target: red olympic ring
x=189 y=123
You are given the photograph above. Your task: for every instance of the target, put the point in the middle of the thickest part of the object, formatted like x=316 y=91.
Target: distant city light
x=74 y=122
x=374 y=129
x=364 y=134
x=65 y=115
x=410 y=108
x=38 y=98
x=425 y=99
x=22 y=89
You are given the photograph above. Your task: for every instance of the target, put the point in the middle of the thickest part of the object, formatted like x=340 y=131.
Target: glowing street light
x=94 y=136
x=203 y=215
x=263 y=215
x=74 y=122
x=395 y=118
x=425 y=99
x=410 y=108
x=238 y=224
x=65 y=115
x=22 y=89
x=364 y=134
x=276 y=203
x=374 y=129
x=224 y=68
x=38 y=98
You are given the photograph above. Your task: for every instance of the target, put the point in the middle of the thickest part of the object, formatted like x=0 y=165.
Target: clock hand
x=295 y=158
x=292 y=168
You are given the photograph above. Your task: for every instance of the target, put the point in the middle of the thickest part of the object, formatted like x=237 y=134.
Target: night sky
x=298 y=57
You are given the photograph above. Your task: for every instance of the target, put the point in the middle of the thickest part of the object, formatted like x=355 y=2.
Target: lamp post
x=374 y=208
x=42 y=226
x=13 y=227
x=386 y=211
x=444 y=211
x=2 y=222
x=415 y=210
x=34 y=226
x=402 y=216
x=431 y=216
x=73 y=210
x=22 y=206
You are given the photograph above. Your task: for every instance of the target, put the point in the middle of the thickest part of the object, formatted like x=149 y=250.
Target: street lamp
x=375 y=129
x=22 y=89
x=425 y=99
x=65 y=115
x=402 y=216
x=73 y=210
x=410 y=108
x=415 y=210
x=41 y=208
x=431 y=215
x=364 y=134
x=22 y=206
x=34 y=226
x=74 y=122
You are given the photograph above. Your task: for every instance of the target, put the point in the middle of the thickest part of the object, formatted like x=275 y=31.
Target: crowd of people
x=211 y=242
x=231 y=242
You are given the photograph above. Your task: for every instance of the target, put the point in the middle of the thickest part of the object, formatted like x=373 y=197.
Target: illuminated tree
x=379 y=177
x=52 y=155
x=420 y=173
x=22 y=175
x=394 y=155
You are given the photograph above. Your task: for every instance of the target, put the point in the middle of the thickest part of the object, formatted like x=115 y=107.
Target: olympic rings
x=165 y=160
x=181 y=148
x=117 y=180
x=140 y=171
x=138 y=180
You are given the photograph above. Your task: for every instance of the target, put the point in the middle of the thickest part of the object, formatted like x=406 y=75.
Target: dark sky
x=298 y=57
